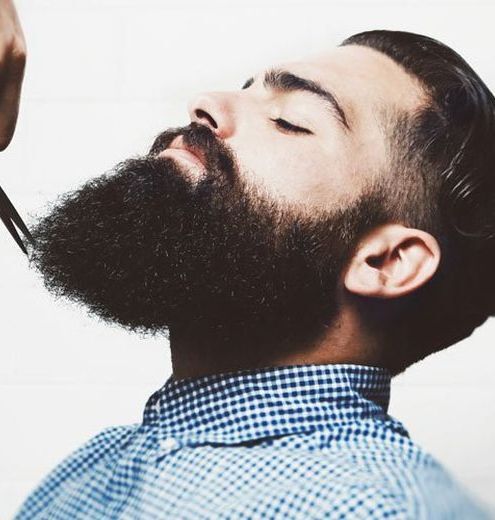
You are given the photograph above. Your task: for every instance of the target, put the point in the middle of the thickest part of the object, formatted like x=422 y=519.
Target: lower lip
x=178 y=153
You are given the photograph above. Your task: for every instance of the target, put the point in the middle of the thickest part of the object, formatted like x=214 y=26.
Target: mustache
x=219 y=156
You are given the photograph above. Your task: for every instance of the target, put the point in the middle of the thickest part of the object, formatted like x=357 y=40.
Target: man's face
x=329 y=165
x=244 y=250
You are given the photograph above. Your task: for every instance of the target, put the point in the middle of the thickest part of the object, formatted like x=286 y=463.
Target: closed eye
x=285 y=125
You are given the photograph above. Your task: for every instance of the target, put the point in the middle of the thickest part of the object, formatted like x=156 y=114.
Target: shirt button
x=168 y=444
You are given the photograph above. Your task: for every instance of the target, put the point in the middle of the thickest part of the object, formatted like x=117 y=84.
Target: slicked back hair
x=441 y=180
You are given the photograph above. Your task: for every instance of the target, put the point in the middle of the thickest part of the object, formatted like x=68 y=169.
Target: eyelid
x=290 y=127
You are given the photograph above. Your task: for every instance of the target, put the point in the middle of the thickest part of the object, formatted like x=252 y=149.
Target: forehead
x=363 y=80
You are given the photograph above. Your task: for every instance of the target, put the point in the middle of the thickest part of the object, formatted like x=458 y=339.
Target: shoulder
x=370 y=501
x=403 y=483
x=73 y=467
x=380 y=476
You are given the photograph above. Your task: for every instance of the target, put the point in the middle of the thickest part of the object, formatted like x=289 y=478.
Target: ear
x=393 y=260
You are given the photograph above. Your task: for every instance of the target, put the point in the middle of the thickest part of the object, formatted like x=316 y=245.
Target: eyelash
x=282 y=123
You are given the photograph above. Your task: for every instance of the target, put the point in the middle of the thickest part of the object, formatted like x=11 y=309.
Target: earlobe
x=392 y=261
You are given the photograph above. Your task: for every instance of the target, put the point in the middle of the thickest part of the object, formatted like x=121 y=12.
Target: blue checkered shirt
x=287 y=442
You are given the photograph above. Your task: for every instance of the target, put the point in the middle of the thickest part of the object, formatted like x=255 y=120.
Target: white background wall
x=103 y=78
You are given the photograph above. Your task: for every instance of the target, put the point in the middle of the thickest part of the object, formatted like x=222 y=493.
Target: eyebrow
x=285 y=81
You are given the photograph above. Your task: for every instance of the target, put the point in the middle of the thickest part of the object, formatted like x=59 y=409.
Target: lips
x=188 y=152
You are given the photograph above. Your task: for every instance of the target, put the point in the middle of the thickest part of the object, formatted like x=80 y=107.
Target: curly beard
x=144 y=247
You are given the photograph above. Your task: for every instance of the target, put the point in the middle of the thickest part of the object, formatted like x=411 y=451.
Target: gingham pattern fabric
x=287 y=442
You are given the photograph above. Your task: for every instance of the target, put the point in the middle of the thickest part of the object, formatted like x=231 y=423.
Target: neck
x=344 y=342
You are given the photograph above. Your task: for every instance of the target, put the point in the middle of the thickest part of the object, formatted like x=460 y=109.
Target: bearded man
x=303 y=240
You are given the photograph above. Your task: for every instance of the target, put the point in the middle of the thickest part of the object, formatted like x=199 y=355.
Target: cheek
x=300 y=174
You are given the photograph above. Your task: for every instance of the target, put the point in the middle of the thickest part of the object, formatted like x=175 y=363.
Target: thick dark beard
x=144 y=247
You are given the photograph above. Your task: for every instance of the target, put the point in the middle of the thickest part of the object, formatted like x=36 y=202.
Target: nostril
x=202 y=114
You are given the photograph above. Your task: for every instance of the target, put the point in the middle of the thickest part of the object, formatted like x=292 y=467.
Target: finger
x=10 y=93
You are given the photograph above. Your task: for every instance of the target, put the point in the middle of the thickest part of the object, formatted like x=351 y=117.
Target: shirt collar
x=233 y=407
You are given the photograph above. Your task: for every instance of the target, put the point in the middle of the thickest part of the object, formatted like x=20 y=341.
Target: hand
x=12 y=63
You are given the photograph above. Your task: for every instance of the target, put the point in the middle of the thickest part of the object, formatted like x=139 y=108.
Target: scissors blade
x=9 y=214
x=14 y=215
x=8 y=224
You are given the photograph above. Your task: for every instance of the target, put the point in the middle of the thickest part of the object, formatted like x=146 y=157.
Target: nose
x=215 y=110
